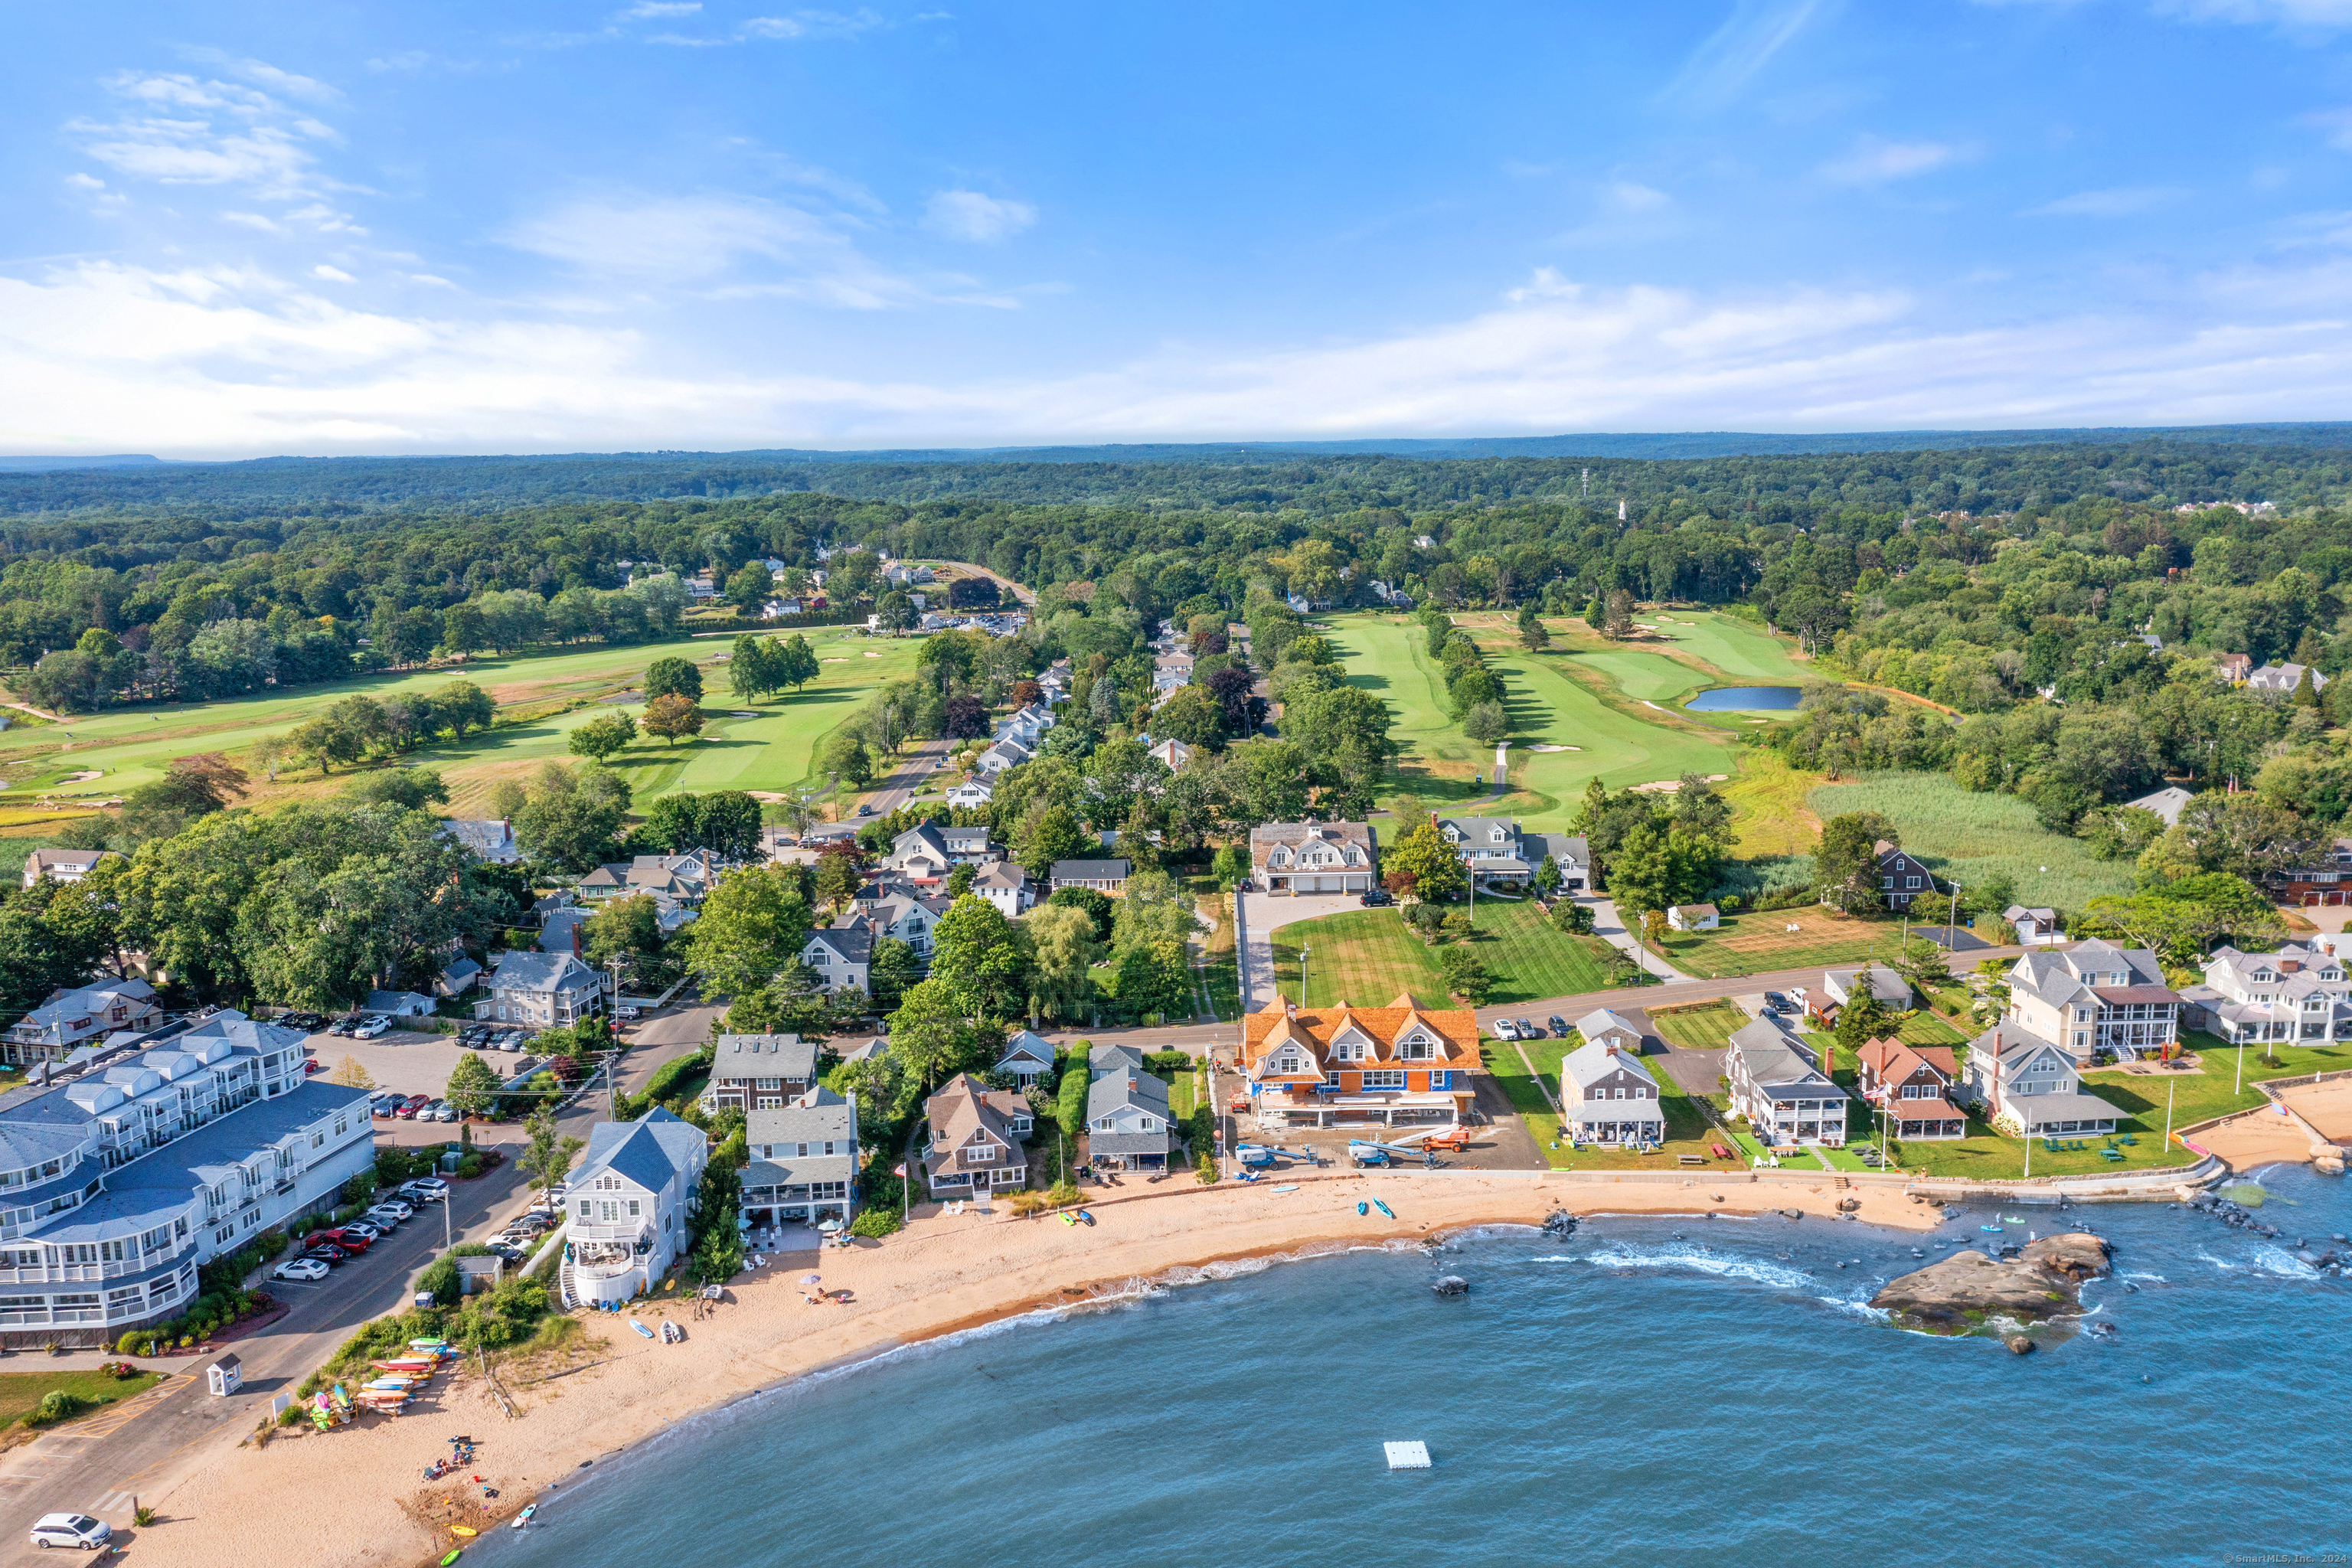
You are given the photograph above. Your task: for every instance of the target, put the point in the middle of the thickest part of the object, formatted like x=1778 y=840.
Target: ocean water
x=1715 y=1390
x=1744 y=699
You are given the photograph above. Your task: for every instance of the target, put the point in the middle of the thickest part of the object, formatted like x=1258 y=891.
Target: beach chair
x=2050 y=1145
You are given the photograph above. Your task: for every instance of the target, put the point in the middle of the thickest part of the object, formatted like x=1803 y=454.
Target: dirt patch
x=2327 y=1106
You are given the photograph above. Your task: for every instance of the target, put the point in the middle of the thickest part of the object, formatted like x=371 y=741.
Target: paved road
x=899 y=788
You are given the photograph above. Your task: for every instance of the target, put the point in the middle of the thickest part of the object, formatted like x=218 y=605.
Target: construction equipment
x=1254 y=1156
x=1364 y=1152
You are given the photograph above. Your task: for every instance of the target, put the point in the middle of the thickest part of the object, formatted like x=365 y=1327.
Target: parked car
x=512 y=1041
x=411 y=1106
x=629 y=1014
x=1376 y=898
x=442 y=1110
x=343 y=1026
x=360 y=1227
x=384 y=1104
x=432 y=1187
x=388 y=1215
x=1559 y=1025
x=1505 y=1029
x=532 y=1220
x=1775 y=1003
x=341 y=1236
x=306 y=1022
x=508 y=1250
x=310 y=1065
x=1528 y=1031
x=71 y=1530
x=326 y=1252
x=301 y=1268
x=371 y=1029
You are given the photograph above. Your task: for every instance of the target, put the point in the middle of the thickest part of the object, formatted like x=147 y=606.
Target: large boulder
x=1962 y=1292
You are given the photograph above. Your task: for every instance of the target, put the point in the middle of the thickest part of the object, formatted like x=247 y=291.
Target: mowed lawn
x=1740 y=649
x=1645 y=676
x=20 y=1392
x=772 y=751
x=1760 y=942
x=1548 y=707
x=1366 y=957
x=1386 y=656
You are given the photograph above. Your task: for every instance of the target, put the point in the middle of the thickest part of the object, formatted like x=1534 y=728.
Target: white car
x=71 y=1530
x=371 y=1029
x=432 y=1189
x=301 y=1268
x=392 y=1211
x=1505 y=1029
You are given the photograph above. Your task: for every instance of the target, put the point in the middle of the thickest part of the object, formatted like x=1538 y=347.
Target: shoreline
x=939 y=1278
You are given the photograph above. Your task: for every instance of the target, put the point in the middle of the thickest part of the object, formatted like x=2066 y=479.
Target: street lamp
x=1302 y=952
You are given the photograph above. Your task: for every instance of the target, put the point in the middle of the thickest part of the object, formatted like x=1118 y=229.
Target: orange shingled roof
x=1455 y=1027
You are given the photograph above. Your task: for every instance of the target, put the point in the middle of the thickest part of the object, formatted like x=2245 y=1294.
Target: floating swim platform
x=1407 y=1456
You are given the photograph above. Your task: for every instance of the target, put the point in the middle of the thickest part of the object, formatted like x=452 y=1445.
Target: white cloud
x=85 y=182
x=812 y=25
x=1636 y=197
x=742 y=246
x=2334 y=124
x=2121 y=201
x=184 y=130
x=269 y=75
x=1875 y=160
x=1748 y=39
x=227 y=362
x=331 y=274
x=647 y=8
x=2308 y=15
x=969 y=214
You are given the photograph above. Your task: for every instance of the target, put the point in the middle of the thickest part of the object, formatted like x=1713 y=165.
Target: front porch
x=1329 y=1108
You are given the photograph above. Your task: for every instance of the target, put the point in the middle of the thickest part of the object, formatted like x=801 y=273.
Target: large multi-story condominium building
x=122 y=1174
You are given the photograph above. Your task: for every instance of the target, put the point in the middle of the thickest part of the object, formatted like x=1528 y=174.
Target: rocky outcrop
x=1962 y=1292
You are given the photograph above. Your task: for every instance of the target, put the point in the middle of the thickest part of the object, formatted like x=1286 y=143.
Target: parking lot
x=404 y=1059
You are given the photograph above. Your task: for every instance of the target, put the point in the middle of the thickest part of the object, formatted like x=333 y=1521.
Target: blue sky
x=325 y=228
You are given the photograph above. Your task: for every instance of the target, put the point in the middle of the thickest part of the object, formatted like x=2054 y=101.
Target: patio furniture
x=2116 y=1154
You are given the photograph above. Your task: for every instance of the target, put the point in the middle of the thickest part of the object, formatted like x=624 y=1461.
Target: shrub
x=56 y=1405
x=135 y=1343
x=1169 y=1062
x=1205 y=1168
x=873 y=1221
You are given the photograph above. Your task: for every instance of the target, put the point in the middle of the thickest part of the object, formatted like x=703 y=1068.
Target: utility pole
x=1952 y=923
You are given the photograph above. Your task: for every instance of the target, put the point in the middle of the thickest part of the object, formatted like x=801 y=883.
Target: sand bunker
x=1546 y=746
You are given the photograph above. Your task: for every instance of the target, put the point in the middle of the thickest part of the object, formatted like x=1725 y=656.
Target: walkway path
x=1610 y=927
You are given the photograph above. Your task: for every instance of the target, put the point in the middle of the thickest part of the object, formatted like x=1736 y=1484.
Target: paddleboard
x=1291 y=1189
x=641 y=1328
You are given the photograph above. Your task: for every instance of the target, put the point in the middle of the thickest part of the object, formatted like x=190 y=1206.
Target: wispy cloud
x=977 y=217
x=2121 y=201
x=1875 y=160
x=1749 y=40
x=186 y=131
x=285 y=83
x=331 y=274
x=2333 y=124
x=2298 y=15
x=646 y=8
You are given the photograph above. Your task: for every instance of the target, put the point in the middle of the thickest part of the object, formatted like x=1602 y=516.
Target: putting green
x=1651 y=677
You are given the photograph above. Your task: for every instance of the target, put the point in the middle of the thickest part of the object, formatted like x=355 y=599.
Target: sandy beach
x=229 y=1505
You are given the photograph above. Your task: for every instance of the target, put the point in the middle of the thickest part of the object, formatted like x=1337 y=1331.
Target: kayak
x=1386 y=1211
x=1085 y=1216
x=1362 y=1207
x=463 y=1530
x=524 y=1517
x=1069 y=1219
x=452 y=1557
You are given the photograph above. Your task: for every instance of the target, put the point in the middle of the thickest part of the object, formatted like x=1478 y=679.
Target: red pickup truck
x=349 y=1240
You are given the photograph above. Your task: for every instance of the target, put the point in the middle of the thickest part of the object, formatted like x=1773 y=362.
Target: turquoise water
x=1745 y=698
x=1709 y=1391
